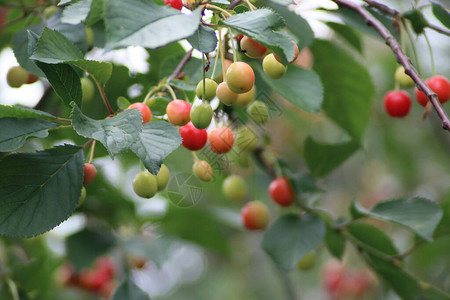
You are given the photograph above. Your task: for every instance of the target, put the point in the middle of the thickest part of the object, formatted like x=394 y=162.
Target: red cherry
x=255 y=215
x=193 y=139
x=90 y=173
x=178 y=112
x=296 y=53
x=397 y=103
x=221 y=139
x=438 y=84
x=239 y=37
x=177 y=4
x=145 y=111
x=93 y=280
x=281 y=192
x=105 y=265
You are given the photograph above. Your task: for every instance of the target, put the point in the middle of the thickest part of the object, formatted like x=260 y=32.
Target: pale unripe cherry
x=201 y=115
x=225 y=95
x=210 y=89
x=202 y=170
x=234 y=187
x=162 y=178
x=245 y=98
x=16 y=76
x=87 y=89
x=240 y=77
x=258 y=112
x=145 y=184
x=246 y=140
x=403 y=80
x=272 y=67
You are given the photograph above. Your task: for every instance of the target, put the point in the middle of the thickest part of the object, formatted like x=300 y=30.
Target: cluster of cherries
x=342 y=283
x=397 y=103
x=98 y=280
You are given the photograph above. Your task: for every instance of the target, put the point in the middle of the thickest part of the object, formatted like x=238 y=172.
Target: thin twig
x=400 y=56
x=180 y=66
x=234 y=4
x=105 y=100
x=393 y=12
x=258 y=152
x=23 y=16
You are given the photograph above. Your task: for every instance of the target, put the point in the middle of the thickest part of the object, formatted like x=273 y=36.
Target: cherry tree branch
x=400 y=56
x=180 y=66
x=393 y=12
x=233 y=4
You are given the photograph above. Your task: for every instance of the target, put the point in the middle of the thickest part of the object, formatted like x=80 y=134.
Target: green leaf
x=348 y=87
x=291 y=237
x=85 y=246
x=157 y=140
x=204 y=39
x=132 y=22
x=100 y=71
x=335 y=242
x=441 y=14
x=123 y=103
x=117 y=134
x=53 y=47
x=77 y=12
x=417 y=214
x=23 y=43
x=417 y=19
x=95 y=13
x=182 y=85
x=301 y=87
x=347 y=33
x=262 y=25
x=39 y=190
x=15 y=131
x=324 y=158
x=64 y=80
x=158 y=105
x=129 y=291
x=295 y=23
x=19 y=111
x=373 y=237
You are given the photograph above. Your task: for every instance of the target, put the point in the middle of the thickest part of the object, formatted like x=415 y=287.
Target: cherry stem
x=222 y=54
x=211 y=6
x=180 y=66
x=204 y=76
x=172 y=93
x=215 y=62
x=411 y=40
x=393 y=12
x=105 y=99
x=400 y=56
x=433 y=68
x=233 y=4
x=194 y=155
x=91 y=155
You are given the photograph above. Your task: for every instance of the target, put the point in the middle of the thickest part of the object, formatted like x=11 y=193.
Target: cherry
x=82 y=197
x=145 y=111
x=438 y=84
x=403 y=80
x=245 y=98
x=201 y=115
x=234 y=187
x=246 y=140
x=221 y=139
x=239 y=38
x=89 y=37
x=178 y=112
x=296 y=52
x=193 y=139
x=145 y=184
x=177 y=4
x=87 y=89
x=281 y=192
x=272 y=67
x=252 y=48
x=240 y=77
x=397 y=103
x=90 y=173
x=258 y=112
x=202 y=170
x=106 y=265
x=305 y=59
x=31 y=78
x=225 y=95
x=16 y=76
x=210 y=89
x=162 y=178
x=255 y=215
x=227 y=64
x=307 y=262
